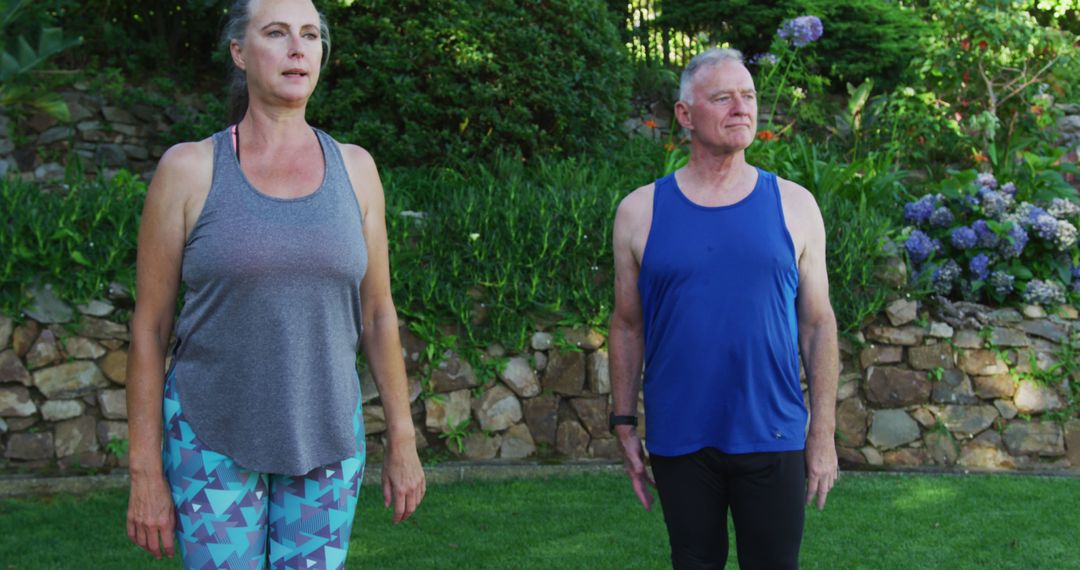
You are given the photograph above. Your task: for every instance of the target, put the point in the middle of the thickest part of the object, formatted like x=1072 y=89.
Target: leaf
x=53 y=105
x=78 y=257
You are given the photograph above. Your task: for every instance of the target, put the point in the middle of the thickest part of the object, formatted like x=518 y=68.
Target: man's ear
x=682 y=114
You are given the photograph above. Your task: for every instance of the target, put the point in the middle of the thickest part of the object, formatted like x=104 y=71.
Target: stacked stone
x=553 y=396
x=945 y=395
x=62 y=378
x=100 y=133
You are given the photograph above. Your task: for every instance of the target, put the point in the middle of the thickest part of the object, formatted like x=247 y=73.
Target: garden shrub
x=422 y=82
x=982 y=240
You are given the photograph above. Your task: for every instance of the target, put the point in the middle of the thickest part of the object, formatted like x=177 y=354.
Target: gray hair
x=236 y=29
x=711 y=56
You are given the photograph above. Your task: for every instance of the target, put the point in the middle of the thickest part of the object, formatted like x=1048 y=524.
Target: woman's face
x=281 y=52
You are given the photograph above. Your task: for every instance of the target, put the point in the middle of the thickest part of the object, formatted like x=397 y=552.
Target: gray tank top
x=271 y=324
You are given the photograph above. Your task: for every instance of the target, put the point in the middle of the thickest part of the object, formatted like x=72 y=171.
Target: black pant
x=766 y=493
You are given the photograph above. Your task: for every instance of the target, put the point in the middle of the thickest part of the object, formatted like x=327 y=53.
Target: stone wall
x=946 y=387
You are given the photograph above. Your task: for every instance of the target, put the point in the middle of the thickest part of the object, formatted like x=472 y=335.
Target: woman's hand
x=150 y=518
x=403 y=481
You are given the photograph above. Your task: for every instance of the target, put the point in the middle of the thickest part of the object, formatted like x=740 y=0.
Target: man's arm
x=626 y=342
x=819 y=349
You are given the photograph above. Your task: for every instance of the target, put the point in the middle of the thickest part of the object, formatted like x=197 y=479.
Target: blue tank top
x=718 y=288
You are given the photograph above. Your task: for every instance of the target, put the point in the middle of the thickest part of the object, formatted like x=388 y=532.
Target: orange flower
x=1036 y=110
x=766 y=136
x=650 y=123
x=669 y=147
x=980 y=157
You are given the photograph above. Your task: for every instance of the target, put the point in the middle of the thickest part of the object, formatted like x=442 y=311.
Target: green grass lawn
x=593 y=522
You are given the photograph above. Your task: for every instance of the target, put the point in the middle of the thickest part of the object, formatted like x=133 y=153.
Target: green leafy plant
x=117 y=446
x=19 y=60
x=455 y=436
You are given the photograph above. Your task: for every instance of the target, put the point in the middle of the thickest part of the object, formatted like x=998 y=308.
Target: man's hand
x=821 y=467
x=150 y=519
x=634 y=463
x=403 y=481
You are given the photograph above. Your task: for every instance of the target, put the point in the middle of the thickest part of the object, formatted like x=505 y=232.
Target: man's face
x=724 y=112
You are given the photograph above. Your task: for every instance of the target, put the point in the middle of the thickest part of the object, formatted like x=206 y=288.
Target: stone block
x=888 y=386
x=954 y=387
x=541 y=360
x=967 y=421
x=113 y=404
x=446 y=409
x=1033 y=398
x=1033 y=311
x=880 y=354
x=69 y=380
x=582 y=337
x=44 y=351
x=932 y=356
x=1006 y=408
x=902 y=311
x=114 y=365
x=905 y=336
x=541 y=341
x=941 y=330
x=99 y=329
x=892 y=428
x=12 y=369
x=942 y=448
x=848 y=385
x=571 y=439
x=966 y=338
x=1072 y=442
x=79 y=347
x=96 y=308
x=517 y=443
x=849 y=457
x=76 y=436
x=851 y=418
x=453 y=373
x=24 y=336
x=1005 y=316
x=7 y=326
x=108 y=431
x=597 y=372
x=925 y=417
x=1006 y=337
x=57 y=410
x=541 y=415
x=981 y=362
x=996 y=386
x=15 y=402
x=593 y=413
x=1045 y=438
x=605 y=449
x=479 y=445
x=565 y=373
x=45 y=307
x=1045 y=329
x=29 y=446
x=520 y=377
x=497 y=409
x=906 y=457
x=873 y=456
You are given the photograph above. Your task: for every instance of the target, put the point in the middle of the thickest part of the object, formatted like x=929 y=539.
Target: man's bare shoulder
x=636 y=206
x=795 y=195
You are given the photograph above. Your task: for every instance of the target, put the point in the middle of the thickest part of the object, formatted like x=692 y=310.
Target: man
x=720 y=284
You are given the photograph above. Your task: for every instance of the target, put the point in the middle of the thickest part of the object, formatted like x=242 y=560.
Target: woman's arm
x=162 y=233
x=403 y=478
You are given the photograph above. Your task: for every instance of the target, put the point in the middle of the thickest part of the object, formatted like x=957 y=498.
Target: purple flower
x=802 y=30
x=945 y=277
x=987 y=237
x=1017 y=238
x=995 y=204
x=1001 y=283
x=1045 y=226
x=964 y=237
x=941 y=217
x=980 y=266
x=1076 y=272
x=918 y=246
x=764 y=59
x=1044 y=292
x=986 y=179
x=1009 y=188
x=919 y=211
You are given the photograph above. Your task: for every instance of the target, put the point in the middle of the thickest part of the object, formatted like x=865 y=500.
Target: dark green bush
x=420 y=82
x=861 y=39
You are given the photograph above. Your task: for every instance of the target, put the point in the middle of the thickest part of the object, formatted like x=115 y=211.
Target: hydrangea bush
x=985 y=241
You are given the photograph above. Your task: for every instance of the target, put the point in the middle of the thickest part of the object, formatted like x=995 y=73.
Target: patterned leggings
x=227 y=515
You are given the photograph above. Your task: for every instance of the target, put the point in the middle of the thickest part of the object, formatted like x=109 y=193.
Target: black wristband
x=614 y=420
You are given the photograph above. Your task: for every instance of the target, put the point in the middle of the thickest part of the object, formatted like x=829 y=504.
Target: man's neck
x=715 y=173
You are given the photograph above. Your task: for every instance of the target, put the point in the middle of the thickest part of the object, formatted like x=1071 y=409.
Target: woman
x=254 y=438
